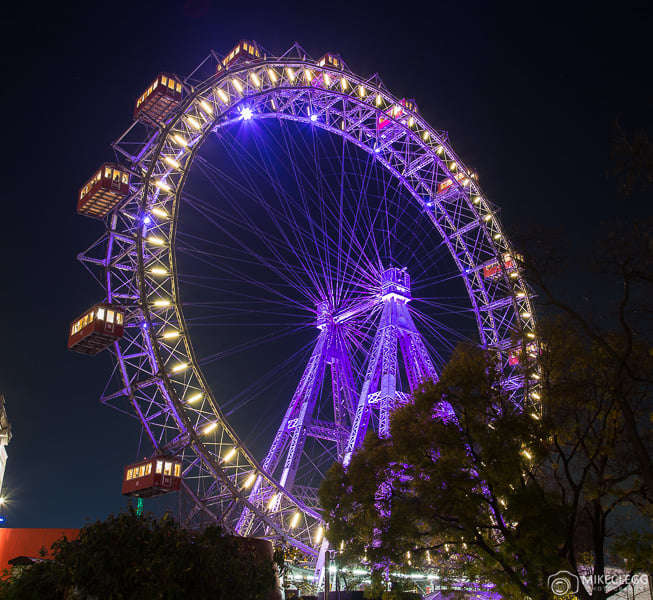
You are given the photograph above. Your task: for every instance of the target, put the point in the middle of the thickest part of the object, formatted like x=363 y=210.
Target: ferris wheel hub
x=395 y=283
x=324 y=315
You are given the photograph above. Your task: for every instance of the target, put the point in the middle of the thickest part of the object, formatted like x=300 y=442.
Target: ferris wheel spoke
x=446 y=336
x=288 y=276
x=295 y=281
x=331 y=218
x=197 y=253
x=246 y=224
x=236 y=402
x=278 y=217
x=218 y=177
x=217 y=260
x=314 y=238
x=279 y=295
x=338 y=218
x=262 y=386
x=255 y=342
x=256 y=258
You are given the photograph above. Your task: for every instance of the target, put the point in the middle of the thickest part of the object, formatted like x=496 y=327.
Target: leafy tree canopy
x=129 y=556
x=501 y=493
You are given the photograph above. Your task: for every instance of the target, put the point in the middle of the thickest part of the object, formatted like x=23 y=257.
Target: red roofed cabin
x=244 y=51
x=105 y=190
x=322 y=78
x=152 y=477
x=159 y=100
x=96 y=329
x=330 y=60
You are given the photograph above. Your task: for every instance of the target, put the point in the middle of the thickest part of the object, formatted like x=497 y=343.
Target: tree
x=130 y=556
x=622 y=260
x=624 y=265
x=632 y=161
x=498 y=494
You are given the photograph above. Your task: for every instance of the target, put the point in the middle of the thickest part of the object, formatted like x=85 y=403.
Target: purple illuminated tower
x=380 y=391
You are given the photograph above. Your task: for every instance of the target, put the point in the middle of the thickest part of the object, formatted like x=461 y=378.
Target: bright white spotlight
x=246 y=113
x=314 y=118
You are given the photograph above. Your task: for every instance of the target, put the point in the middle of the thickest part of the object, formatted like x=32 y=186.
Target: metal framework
x=158 y=377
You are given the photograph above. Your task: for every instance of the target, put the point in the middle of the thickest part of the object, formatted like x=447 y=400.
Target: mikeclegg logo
x=563 y=583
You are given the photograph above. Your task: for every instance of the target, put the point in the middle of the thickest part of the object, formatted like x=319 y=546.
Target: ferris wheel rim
x=150 y=183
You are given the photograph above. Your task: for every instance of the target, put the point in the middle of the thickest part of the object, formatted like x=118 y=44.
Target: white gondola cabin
x=98 y=328
x=152 y=477
x=244 y=51
x=159 y=100
x=104 y=191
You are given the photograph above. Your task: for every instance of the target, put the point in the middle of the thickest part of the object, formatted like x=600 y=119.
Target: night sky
x=528 y=93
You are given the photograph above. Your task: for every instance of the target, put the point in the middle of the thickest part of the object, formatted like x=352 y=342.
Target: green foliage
x=42 y=581
x=129 y=556
x=497 y=493
x=635 y=549
x=378 y=589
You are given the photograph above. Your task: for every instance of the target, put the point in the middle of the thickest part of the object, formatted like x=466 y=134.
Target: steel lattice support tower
x=396 y=336
x=396 y=331
x=300 y=420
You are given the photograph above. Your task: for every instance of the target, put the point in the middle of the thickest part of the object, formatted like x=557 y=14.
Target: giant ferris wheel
x=289 y=252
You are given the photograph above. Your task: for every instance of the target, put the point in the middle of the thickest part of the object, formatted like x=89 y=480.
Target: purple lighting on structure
x=292 y=241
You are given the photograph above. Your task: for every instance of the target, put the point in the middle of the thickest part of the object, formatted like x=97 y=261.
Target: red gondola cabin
x=323 y=79
x=245 y=51
x=152 y=477
x=98 y=328
x=104 y=191
x=397 y=112
x=445 y=185
x=493 y=270
x=531 y=350
x=159 y=100
x=330 y=60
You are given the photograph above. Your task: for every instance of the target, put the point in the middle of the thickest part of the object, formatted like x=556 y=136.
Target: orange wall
x=28 y=542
